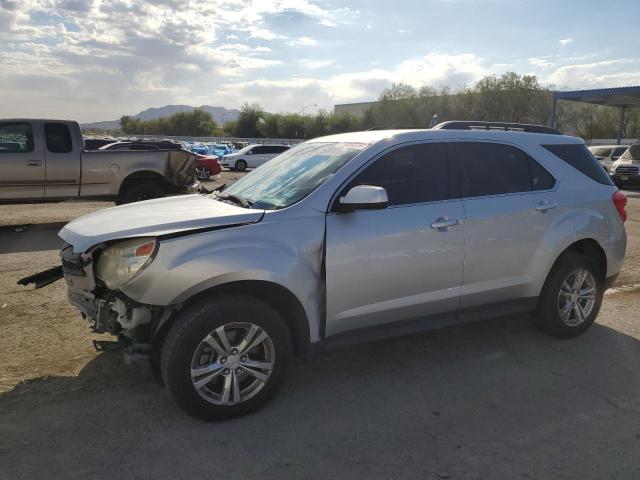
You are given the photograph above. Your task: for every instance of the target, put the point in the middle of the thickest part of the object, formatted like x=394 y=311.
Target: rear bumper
x=633 y=180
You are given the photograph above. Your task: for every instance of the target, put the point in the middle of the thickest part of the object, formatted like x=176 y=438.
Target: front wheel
x=571 y=297
x=226 y=357
x=241 y=166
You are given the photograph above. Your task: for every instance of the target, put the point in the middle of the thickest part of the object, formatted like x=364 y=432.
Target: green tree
x=248 y=124
x=197 y=123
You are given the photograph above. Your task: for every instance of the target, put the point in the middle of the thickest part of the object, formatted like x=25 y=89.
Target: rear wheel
x=571 y=297
x=241 y=165
x=203 y=173
x=226 y=357
x=140 y=190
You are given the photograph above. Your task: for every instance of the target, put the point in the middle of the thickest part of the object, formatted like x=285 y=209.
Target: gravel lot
x=496 y=400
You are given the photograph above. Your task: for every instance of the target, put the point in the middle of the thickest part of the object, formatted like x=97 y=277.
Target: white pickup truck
x=44 y=160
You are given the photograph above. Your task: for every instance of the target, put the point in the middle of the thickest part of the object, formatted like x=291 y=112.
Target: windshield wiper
x=238 y=199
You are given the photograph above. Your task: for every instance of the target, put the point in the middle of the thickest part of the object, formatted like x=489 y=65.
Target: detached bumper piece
x=43 y=279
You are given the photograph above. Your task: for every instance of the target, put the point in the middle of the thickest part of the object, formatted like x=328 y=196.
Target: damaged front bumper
x=108 y=311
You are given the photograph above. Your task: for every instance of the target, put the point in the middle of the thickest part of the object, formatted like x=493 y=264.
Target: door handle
x=34 y=163
x=444 y=223
x=545 y=206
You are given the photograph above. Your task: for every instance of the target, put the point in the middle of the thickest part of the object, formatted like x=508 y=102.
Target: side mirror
x=249 y=152
x=363 y=197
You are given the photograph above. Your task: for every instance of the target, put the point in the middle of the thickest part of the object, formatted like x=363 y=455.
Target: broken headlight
x=120 y=262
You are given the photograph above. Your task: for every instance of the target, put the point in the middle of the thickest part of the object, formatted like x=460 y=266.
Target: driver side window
x=412 y=174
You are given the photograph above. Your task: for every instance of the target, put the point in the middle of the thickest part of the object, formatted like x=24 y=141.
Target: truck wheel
x=203 y=173
x=240 y=166
x=571 y=296
x=226 y=357
x=138 y=191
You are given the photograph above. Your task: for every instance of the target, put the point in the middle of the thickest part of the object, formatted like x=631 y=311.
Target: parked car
x=252 y=156
x=607 y=154
x=142 y=145
x=626 y=170
x=349 y=237
x=42 y=160
x=207 y=165
x=96 y=143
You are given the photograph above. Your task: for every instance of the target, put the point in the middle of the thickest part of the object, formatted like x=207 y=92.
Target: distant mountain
x=219 y=114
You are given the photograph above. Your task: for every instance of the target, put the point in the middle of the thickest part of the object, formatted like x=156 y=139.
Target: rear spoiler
x=43 y=279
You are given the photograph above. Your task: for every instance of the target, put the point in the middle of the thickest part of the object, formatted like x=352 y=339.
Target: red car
x=206 y=166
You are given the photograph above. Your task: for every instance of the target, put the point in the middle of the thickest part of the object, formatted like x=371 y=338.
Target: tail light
x=620 y=201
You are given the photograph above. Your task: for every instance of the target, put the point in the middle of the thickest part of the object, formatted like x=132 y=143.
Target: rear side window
x=580 y=158
x=412 y=174
x=600 y=151
x=496 y=169
x=633 y=153
x=16 y=137
x=619 y=151
x=57 y=137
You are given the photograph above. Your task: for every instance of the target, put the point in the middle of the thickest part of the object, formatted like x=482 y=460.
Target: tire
x=240 y=166
x=555 y=299
x=139 y=191
x=185 y=348
x=203 y=173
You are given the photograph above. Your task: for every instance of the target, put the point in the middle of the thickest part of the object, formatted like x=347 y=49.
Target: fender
x=575 y=225
x=287 y=253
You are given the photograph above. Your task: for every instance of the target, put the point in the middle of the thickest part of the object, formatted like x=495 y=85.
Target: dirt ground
x=492 y=400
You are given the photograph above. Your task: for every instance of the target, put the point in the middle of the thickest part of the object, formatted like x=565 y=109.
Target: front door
x=403 y=262
x=257 y=157
x=22 y=165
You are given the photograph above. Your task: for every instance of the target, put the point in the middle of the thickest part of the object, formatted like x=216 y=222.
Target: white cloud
x=287 y=95
x=539 y=62
x=327 y=23
x=315 y=64
x=566 y=41
x=263 y=34
x=303 y=41
x=607 y=73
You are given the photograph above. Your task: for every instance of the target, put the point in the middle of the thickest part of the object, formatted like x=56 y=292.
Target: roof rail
x=502 y=126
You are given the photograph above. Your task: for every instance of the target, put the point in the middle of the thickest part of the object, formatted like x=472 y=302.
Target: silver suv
x=344 y=238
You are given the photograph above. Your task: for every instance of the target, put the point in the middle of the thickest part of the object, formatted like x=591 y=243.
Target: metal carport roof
x=621 y=97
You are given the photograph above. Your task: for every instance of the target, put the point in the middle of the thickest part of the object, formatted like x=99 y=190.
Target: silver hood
x=153 y=218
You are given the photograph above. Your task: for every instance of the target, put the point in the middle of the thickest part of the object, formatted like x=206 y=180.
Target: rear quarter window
x=580 y=158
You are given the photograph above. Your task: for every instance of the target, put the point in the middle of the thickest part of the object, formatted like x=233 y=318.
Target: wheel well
x=278 y=297
x=591 y=249
x=141 y=175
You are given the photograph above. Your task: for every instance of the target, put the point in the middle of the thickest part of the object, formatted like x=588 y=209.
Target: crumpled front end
x=109 y=310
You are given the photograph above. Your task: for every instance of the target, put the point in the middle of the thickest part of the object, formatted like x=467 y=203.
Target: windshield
x=601 y=151
x=293 y=175
x=633 y=153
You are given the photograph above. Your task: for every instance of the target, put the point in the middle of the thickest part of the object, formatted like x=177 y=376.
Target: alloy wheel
x=202 y=173
x=577 y=297
x=232 y=363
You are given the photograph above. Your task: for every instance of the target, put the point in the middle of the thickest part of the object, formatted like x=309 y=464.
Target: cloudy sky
x=98 y=59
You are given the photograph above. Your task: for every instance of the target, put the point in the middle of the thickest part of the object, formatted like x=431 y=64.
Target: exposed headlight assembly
x=122 y=261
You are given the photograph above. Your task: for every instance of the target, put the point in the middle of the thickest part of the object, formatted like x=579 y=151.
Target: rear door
x=510 y=201
x=63 y=161
x=402 y=262
x=22 y=164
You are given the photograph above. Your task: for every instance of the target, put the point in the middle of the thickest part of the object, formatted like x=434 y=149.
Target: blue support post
x=552 y=117
x=623 y=110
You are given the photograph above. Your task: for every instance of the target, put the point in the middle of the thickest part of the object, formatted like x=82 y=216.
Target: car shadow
x=488 y=400
x=30 y=238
